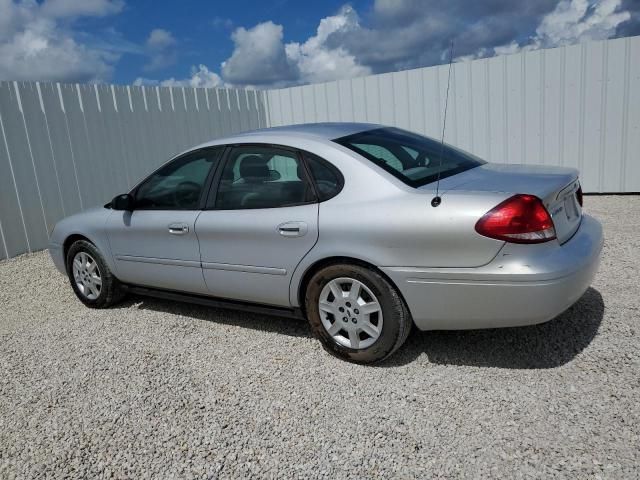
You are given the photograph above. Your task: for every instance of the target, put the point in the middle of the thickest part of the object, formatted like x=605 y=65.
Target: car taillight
x=579 y=195
x=519 y=219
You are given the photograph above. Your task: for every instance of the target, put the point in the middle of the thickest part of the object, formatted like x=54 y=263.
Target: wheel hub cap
x=86 y=275
x=350 y=313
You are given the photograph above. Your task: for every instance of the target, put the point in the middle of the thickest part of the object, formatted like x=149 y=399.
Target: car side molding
x=216 y=302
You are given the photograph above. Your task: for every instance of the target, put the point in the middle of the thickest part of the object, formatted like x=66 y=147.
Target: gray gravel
x=158 y=389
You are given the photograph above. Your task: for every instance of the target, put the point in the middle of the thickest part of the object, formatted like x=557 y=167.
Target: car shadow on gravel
x=264 y=323
x=547 y=345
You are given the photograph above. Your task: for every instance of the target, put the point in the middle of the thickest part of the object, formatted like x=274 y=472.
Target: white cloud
x=578 y=20
x=259 y=57
x=405 y=34
x=160 y=38
x=160 y=45
x=318 y=62
x=507 y=49
x=220 y=23
x=201 y=77
x=481 y=53
x=143 y=81
x=81 y=8
x=401 y=34
x=37 y=43
x=571 y=22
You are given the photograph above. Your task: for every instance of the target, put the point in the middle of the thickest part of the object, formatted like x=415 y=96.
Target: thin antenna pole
x=437 y=200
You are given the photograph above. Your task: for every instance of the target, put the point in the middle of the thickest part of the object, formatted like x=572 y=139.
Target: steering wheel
x=186 y=194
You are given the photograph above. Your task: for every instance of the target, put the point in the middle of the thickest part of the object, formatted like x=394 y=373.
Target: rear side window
x=326 y=177
x=414 y=159
x=262 y=177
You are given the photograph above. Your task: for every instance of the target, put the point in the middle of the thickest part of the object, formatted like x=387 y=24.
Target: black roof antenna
x=435 y=201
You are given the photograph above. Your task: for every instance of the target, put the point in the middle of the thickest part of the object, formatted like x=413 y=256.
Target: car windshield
x=414 y=159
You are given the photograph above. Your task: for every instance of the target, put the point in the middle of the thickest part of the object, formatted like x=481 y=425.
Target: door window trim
x=215 y=183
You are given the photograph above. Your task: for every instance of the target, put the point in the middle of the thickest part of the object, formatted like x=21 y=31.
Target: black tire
x=397 y=319
x=111 y=291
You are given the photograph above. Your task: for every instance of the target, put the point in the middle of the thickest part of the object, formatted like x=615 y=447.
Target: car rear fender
x=403 y=229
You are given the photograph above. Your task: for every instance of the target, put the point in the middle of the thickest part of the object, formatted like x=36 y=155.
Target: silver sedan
x=364 y=230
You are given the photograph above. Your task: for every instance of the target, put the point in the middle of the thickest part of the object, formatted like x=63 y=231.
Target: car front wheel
x=90 y=277
x=356 y=313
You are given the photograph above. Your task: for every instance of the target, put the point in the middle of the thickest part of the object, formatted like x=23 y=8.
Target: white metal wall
x=577 y=106
x=68 y=147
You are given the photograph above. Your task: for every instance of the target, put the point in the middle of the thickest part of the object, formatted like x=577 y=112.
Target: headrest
x=227 y=173
x=254 y=167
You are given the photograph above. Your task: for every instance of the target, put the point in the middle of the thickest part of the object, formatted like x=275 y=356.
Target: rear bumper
x=523 y=285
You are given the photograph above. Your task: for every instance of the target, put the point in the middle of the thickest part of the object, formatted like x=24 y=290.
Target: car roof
x=318 y=131
x=326 y=130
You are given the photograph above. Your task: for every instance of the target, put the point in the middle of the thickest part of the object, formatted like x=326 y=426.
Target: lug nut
x=354 y=320
x=356 y=311
x=345 y=319
x=341 y=309
x=348 y=305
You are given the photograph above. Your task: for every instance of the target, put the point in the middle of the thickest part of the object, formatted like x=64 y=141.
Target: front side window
x=178 y=185
x=262 y=177
x=414 y=159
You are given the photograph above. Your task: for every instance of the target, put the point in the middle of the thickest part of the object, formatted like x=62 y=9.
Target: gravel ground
x=159 y=389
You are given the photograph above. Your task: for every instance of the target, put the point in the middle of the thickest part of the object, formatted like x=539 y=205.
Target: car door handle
x=178 y=229
x=292 y=229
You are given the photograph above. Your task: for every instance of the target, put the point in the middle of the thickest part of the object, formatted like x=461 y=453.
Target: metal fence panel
x=45 y=174
x=13 y=232
x=571 y=116
x=62 y=153
x=577 y=106
x=22 y=166
x=66 y=147
x=631 y=144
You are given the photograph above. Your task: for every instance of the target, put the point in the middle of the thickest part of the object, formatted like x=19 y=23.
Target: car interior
x=261 y=181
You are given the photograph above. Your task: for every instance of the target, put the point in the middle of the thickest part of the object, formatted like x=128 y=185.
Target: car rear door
x=156 y=245
x=260 y=221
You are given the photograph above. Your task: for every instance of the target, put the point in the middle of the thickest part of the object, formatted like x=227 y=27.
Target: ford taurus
x=337 y=223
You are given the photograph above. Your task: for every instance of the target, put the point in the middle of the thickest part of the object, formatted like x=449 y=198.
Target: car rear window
x=414 y=159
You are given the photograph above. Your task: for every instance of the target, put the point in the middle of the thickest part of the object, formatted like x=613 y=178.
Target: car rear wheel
x=90 y=277
x=356 y=313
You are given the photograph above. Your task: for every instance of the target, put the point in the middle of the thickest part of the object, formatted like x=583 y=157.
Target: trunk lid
x=556 y=186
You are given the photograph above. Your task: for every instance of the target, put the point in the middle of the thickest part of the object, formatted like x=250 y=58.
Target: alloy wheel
x=350 y=313
x=86 y=274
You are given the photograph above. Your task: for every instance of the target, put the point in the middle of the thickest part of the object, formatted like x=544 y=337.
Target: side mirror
x=123 y=202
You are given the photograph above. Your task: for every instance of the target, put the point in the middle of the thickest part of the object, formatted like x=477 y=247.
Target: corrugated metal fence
x=67 y=147
x=577 y=106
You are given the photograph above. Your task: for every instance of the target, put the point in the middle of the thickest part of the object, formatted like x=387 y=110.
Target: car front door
x=259 y=223
x=155 y=245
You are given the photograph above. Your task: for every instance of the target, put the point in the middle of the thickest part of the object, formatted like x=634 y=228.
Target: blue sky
x=203 y=28
x=271 y=43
